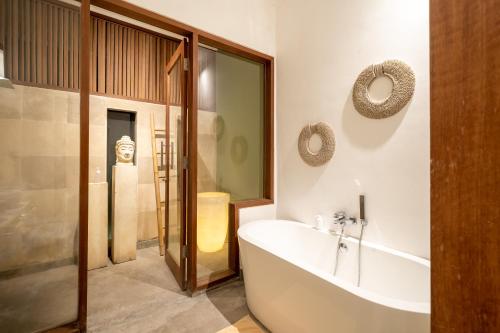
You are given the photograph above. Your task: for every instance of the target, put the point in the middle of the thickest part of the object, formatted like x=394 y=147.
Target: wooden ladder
x=160 y=205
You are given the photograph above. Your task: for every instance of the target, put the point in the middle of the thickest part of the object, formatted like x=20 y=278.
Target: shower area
x=39 y=168
x=199 y=112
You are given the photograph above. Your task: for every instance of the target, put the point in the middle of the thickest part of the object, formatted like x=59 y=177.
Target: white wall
x=251 y=23
x=321 y=48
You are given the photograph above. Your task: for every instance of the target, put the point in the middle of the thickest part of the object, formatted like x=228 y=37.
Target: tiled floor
x=37 y=301
x=142 y=296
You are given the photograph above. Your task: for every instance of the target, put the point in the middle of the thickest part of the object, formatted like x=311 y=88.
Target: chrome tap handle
x=339 y=217
x=352 y=220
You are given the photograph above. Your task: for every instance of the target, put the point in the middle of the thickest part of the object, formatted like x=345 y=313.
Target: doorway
x=119 y=123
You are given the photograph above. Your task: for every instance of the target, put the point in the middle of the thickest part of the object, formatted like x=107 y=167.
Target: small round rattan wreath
x=327 y=144
x=403 y=80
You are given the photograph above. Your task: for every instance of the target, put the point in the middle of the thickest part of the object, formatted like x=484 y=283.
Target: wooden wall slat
x=93 y=36
x=76 y=50
x=8 y=40
x=50 y=40
x=6 y=32
x=141 y=80
x=22 y=21
x=32 y=55
x=2 y=24
x=54 y=46
x=60 y=46
x=41 y=47
x=72 y=37
x=70 y=49
x=101 y=56
x=15 y=40
x=66 y=43
x=27 y=42
x=129 y=63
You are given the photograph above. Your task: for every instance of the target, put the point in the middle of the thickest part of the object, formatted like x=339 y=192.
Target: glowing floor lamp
x=212 y=220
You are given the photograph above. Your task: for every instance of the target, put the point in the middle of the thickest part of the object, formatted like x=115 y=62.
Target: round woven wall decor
x=403 y=80
x=327 y=144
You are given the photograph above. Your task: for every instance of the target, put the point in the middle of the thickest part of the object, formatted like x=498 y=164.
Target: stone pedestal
x=124 y=213
x=98 y=225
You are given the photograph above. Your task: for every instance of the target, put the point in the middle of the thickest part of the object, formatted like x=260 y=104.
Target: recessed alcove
x=119 y=123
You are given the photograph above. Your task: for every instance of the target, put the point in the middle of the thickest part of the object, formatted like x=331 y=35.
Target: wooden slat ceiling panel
x=41 y=48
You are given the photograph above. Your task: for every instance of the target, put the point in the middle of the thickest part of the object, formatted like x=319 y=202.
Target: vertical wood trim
x=65 y=49
x=269 y=130
x=128 y=70
x=39 y=45
x=54 y=47
x=141 y=66
x=101 y=56
x=111 y=72
x=108 y=58
x=76 y=50
x=15 y=40
x=70 y=49
x=28 y=41
x=60 y=43
x=192 y=137
x=8 y=39
x=33 y=41
x=146 y=66
x=465 y=172
x=2 y=24
x=119 y=61
x=21 y=54
x=132 y=63
x=136 y=66
x=84 y=162
x=50 y=40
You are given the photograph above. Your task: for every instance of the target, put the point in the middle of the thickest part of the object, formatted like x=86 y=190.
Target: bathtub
x=289 y=283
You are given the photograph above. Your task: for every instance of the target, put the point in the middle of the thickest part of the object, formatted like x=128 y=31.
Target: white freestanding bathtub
x=290 y=286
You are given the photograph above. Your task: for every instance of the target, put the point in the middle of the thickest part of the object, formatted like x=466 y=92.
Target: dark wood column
x=84 y=163
x=465 y=171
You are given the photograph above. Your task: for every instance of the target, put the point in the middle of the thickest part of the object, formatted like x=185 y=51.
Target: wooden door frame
x=179 y=271
x=195 y=36
x=81 y=323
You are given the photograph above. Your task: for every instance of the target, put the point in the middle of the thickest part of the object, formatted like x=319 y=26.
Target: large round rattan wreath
x=403 y=81
x=327 y=144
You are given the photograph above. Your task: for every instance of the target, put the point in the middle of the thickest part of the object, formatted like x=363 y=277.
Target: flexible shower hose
x=359 y=252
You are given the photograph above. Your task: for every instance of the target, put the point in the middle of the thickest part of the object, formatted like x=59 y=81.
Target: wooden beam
x=144 y=15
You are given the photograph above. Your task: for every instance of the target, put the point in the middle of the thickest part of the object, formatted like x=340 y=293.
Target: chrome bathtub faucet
x=343 y=247
x=341 y=219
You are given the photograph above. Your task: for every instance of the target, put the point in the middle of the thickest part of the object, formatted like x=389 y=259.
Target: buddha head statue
x=124 y=150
